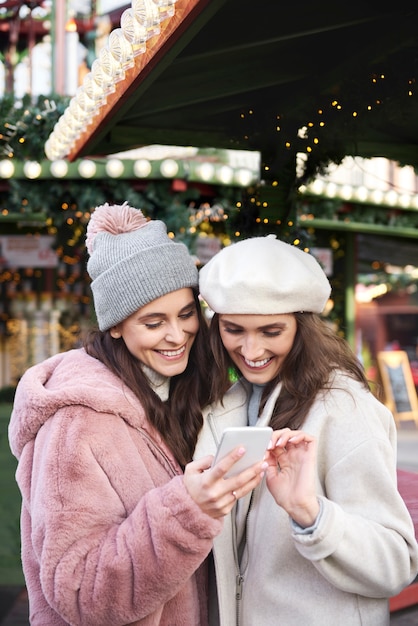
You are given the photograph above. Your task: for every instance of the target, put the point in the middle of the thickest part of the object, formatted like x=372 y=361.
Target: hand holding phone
x=255 y=441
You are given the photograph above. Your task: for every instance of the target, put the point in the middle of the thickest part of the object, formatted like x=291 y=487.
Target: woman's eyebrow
x=264 y=327
x=226 y=321
x=273 y=325
x=155 y=314
x=187 y=306
x=150 y=316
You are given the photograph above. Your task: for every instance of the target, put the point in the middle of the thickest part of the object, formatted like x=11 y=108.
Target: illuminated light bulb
x=405 y=200
x=86 y=104
x=49 y=150
x=93 y=91
x=361 y=193
x=377 y=196
x=75 y=122
x=32 y=169
x=114 y=168
x=317 y=186
x=142 y=168
x=79 y=114
x=65 y=130
x=148 y=15
x=165 y=8
x=110 y=65
x=243 y=177
x=331 y=190
x=346 y=192
x=134 y=32
x=7 y=169
x=391 y=197
x=121 y=49
x=64 y=133
x=104 y=80
x=225 y=174
x=59 y=168
x=87 y=168
x=54 y=148
x=205 y=171
x=169 y=168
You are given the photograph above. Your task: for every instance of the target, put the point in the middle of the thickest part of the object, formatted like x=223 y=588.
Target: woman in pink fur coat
x=116 y=521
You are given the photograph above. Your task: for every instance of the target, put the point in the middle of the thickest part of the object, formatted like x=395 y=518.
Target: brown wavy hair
x=316 y=352
x=179 y=419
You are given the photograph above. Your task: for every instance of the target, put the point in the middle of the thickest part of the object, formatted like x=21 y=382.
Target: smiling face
x=258 y=344
x=161 y=333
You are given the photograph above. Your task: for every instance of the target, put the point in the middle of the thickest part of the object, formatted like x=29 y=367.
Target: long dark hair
x=316 y=352
x=178 y=420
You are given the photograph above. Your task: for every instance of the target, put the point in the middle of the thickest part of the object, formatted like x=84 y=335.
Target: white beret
x=263 y=276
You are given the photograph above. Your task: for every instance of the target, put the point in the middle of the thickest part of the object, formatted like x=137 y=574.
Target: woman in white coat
x=326 y=538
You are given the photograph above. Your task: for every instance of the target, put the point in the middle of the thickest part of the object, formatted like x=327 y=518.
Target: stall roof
x=326 y=78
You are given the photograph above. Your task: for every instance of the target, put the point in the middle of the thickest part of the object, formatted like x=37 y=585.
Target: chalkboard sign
x=398 y=384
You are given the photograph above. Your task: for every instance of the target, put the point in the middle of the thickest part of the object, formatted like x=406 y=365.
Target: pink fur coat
x=110 y=536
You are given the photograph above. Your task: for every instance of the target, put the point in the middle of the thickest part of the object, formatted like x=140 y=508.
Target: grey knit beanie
x=132 y=262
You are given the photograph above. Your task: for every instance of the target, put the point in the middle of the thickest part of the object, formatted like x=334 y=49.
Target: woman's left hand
x=212 y=492
x=291 y=474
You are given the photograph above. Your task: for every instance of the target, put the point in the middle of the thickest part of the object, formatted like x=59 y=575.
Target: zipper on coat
x=238 y=554
x=238 y=593
x=239 y=578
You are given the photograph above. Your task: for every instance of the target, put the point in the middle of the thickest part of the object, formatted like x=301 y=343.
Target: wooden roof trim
x=157 y=47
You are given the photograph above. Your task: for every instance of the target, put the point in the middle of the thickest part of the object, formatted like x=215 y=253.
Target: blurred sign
x=27 y=251
x=206 y=248
x=324 y=258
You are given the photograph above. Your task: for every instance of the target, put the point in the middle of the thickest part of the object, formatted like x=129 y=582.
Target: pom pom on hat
x=263 y=276
x=106 y=219
x=132 y=262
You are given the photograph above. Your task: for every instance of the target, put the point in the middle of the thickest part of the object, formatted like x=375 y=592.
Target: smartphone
x=254 y=439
